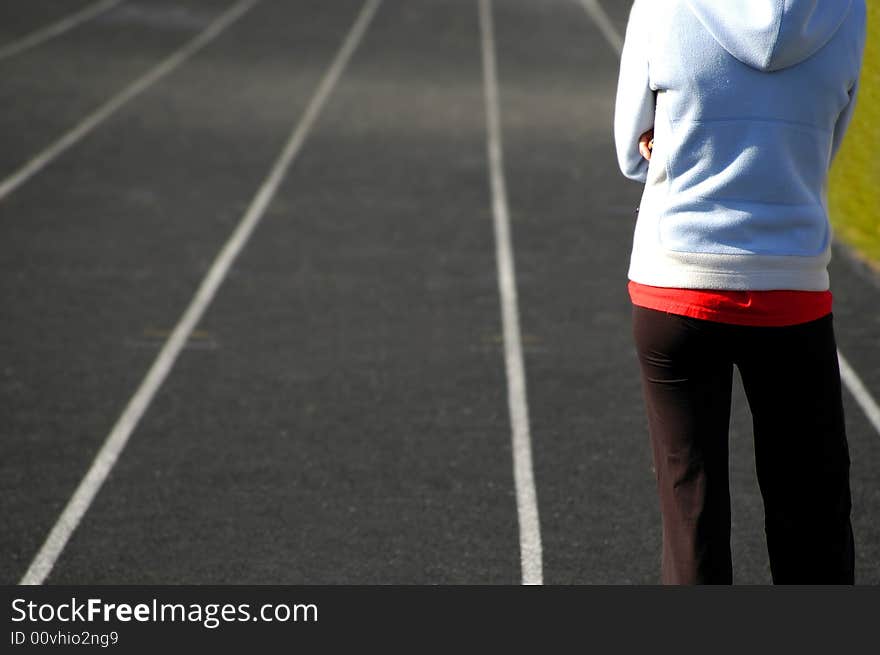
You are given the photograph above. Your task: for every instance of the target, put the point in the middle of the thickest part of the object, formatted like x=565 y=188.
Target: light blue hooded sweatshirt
x=749 y=101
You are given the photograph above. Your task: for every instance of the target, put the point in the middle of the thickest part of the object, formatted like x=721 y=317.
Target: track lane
x=573 y=219
x=57 y=148
x=56 y=28
x=857 y=327
x=104 y=249
x=114 y=446
x=48 y=90
x=19 y=18
x=351 y=425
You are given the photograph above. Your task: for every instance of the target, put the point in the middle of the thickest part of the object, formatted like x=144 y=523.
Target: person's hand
x=646 y=144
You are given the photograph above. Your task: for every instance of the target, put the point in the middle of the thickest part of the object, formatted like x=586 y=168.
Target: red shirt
x=760 y=308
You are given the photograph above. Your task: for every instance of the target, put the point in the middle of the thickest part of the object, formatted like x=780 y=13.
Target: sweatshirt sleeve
x=843 y=120
x=634 y=107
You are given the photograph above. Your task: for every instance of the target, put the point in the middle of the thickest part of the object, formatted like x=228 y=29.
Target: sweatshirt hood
x=771 y=34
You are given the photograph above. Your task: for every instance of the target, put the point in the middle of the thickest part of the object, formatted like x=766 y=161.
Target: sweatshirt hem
x=757 y=280
x=723 y=271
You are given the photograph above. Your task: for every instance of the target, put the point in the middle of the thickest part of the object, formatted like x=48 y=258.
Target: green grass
x=854 y=185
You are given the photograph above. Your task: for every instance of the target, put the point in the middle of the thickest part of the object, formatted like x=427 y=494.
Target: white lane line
x=603 y=22
x=106 y=458
x=859 y=391
x=523 y=473
x=56 y=29
x=847 y=373
x=101 y=114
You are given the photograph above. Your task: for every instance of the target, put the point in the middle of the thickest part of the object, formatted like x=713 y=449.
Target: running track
x=334 y=292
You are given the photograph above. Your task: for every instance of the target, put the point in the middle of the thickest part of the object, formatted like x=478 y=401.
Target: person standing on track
x=730 y=113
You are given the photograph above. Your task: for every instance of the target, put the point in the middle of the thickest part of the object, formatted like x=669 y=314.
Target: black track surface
x=340 y=414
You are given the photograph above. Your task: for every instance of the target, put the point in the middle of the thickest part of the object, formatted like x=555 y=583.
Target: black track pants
x=792 y=382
